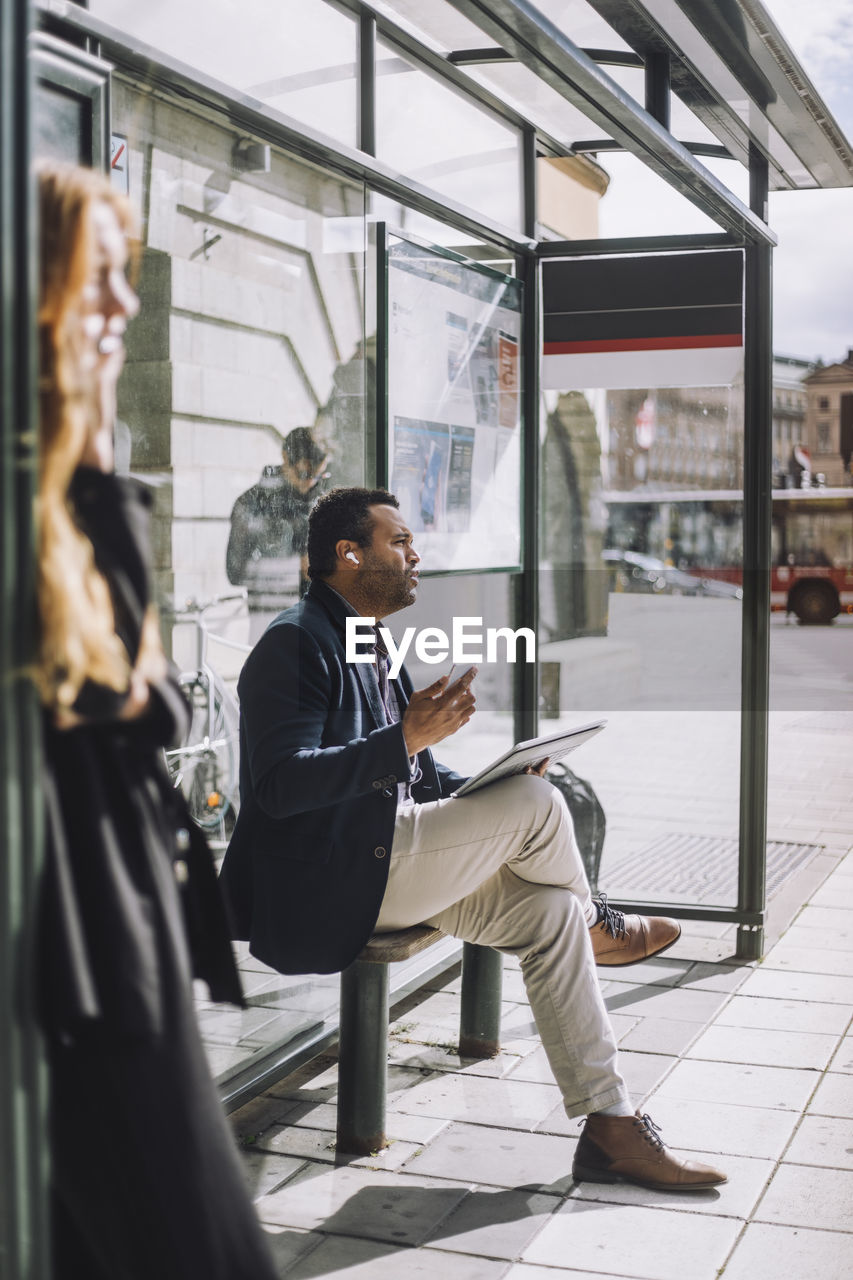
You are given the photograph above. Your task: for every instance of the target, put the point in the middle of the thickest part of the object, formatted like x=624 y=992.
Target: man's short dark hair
x=300 y=446
x=341 y=513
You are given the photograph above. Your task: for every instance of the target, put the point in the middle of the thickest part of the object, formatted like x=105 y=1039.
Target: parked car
x=633 y=571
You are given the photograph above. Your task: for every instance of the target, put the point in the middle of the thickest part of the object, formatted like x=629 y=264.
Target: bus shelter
x=390 y=224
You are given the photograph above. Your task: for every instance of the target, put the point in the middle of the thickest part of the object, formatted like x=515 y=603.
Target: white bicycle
x=206 y=765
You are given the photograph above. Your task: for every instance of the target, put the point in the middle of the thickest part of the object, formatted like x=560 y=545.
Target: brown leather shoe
x=629 y=1149
x=620 y=939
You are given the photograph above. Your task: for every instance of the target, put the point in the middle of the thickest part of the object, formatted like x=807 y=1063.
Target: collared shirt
x=391 y=707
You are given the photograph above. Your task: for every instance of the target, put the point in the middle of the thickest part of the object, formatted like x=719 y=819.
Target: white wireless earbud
x=351 y=556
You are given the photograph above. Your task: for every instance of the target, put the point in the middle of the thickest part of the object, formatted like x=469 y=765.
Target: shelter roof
x=737 y=83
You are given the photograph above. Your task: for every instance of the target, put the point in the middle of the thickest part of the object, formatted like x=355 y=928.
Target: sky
x=813 y=265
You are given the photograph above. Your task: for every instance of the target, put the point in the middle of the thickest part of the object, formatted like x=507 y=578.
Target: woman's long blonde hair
x=78 y=639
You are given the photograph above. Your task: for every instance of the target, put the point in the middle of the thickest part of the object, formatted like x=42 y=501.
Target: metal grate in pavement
x=700 y=868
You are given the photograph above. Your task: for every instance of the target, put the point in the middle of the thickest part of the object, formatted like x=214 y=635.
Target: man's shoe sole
x=624 y=964
x=599 y=1175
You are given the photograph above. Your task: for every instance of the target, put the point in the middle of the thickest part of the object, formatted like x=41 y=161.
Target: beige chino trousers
x=502 y=868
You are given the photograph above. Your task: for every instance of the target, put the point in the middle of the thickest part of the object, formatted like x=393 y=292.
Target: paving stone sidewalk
x=749 y=1066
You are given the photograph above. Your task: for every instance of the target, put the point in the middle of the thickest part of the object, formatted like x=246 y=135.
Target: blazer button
x=377 y=784
x=379 y=851
x=388 y=792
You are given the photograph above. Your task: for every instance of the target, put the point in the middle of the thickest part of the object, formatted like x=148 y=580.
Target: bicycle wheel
x=205 y=767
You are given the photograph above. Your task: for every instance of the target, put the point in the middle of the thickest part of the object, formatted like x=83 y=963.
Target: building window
x=823 y=443
x=823 y=403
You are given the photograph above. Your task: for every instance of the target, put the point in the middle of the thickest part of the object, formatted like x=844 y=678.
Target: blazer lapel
x=366 y=673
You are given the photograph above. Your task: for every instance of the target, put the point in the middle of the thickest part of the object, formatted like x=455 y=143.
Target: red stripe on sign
x=118 y=155
x=696 y=342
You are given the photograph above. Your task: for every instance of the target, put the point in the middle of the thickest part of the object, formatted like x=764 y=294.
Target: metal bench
x=363 y=1055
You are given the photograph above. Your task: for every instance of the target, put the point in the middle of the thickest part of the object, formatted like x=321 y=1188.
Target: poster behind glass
x=454 y=406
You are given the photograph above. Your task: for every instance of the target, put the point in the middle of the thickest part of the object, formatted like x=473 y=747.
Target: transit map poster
x=454 y=406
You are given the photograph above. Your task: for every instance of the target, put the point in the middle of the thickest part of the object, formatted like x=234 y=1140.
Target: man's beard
x=393 y=587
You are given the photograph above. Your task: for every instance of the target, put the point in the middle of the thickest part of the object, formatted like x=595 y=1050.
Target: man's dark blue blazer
x=308 y=861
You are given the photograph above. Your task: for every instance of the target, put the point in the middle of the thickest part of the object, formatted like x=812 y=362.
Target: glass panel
x=686 y=125
x=298 y=56
x=632 y=80
x=606 y=193
x=639 y=203
x=486 y=597
x=438 y=23
x=537 y=101
x=640 y=613
x=811 y=693
x=429 y=131
x=62 y=125
x=454 y=406
x=404 y=218
x=581 y=24
x=441 y=24
x=252 y=325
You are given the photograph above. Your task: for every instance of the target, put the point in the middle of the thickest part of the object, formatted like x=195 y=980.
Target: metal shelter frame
x=23 y=1207
x=523 y=35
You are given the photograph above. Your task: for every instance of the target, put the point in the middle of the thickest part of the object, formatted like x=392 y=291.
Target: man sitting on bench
x=347 y=825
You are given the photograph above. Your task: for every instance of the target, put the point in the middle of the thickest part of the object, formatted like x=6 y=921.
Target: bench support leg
x=363 y=1059
x=480 y=1020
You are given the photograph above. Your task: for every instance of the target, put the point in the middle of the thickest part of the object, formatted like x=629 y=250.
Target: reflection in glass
x=454 y=399
x=449 y=324
x=252 y=325
x=62 y=125
x=298 y=56
x=640 y=622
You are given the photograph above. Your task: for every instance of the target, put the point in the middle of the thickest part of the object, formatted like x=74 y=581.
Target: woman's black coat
x=146 y=1177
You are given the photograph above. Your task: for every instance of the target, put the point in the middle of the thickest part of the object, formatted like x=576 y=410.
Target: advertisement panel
x=454 y=405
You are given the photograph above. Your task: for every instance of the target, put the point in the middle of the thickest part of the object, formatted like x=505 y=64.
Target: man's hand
x=539 y=768
x=438 y=711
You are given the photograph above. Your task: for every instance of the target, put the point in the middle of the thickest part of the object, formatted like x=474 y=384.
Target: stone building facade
x=789 y=413
x=829 y=420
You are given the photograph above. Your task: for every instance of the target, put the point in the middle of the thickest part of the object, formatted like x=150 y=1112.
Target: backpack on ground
x=587 y=815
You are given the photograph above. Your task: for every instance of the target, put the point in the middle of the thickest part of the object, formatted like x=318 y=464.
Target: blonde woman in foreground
x=146 y=1179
